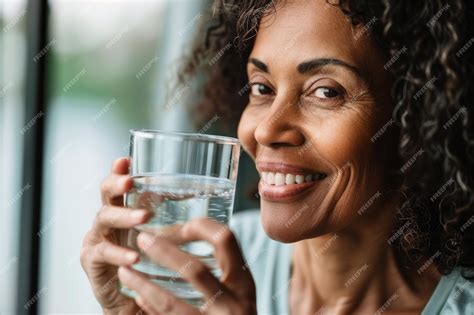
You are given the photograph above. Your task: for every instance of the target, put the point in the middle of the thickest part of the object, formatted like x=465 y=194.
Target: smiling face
x=319 y=95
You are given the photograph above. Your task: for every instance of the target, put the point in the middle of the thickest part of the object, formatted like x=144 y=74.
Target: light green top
x=270 y=261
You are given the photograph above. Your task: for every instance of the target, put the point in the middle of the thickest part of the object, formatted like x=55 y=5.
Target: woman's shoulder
x=245 y=224
x=269 y=262
x=454 y=295
x=249 y=232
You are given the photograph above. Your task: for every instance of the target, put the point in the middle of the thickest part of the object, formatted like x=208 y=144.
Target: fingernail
x=131 y=256
x=145 y=240
x=138 y=214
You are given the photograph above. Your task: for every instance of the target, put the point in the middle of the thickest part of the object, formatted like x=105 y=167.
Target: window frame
x=33 y=156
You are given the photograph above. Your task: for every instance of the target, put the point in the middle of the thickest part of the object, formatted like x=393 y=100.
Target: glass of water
x=179 y=176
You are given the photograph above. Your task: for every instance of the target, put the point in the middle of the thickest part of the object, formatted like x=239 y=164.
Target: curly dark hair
x=430 y=43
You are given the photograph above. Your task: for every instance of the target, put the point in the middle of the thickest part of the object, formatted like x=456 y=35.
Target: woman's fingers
x=145 y=306
x=155 y=298
x=120 y=166
x=167 y=254
x=113 y=187
x=116 y=184
x=110 y=253
x=112 y=217
x=226 y=250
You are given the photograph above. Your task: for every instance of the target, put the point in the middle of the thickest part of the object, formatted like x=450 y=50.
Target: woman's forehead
x=302 y=30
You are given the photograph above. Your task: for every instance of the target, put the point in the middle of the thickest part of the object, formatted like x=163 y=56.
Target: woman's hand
x=233 y=293
x=101 y=255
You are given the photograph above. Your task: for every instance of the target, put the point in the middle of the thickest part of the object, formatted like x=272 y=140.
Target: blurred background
x=75 y=76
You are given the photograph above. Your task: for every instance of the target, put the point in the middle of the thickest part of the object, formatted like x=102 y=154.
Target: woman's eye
x=325 y=92
x=260 y=89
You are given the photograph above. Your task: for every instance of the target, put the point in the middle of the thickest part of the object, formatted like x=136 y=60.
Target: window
x=103 y=79
x=107 y=67
x=12 y=187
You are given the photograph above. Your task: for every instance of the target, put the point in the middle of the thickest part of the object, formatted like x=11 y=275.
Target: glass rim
x=157 y=134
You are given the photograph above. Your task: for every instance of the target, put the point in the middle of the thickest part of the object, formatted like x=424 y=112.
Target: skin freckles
x=319 y=94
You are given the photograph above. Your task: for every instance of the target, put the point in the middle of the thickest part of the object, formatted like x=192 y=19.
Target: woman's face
x=319 y=94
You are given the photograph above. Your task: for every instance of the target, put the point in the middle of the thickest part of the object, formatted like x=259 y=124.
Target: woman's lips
x=284 y=192
x=284 y=182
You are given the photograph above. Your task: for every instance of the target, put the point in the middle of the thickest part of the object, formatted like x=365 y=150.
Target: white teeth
x=289 y=179
x=271 y=178
x=299 y=179
x=279 y=179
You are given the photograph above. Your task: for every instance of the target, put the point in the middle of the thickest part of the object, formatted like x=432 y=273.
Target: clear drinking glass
x=179 y=176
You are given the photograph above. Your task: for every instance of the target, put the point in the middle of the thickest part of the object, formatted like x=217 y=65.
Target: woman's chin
x=279 y=234
x=280 y=227
x=290 y=224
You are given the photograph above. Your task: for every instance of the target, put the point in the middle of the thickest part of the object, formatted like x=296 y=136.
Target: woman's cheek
x=343 y=139
x=245 y=132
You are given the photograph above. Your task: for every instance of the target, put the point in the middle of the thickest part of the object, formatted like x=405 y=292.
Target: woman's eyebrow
x=312 y=65
x=318 y=63
x=259 y=64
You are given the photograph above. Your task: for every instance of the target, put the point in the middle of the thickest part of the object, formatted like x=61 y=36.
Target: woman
x=358 y=119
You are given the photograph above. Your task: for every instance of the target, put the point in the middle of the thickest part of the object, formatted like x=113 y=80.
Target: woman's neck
x=356 y=271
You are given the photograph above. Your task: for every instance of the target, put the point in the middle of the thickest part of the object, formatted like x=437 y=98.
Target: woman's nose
x=280 y=127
